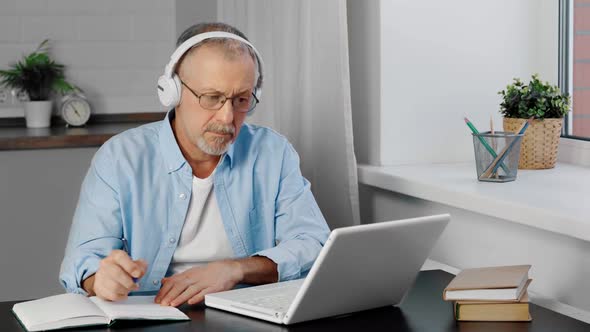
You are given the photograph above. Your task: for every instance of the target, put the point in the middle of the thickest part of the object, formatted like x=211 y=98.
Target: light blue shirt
x=139 y=187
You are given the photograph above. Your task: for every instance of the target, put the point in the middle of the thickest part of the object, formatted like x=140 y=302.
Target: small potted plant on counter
x=39 y=76
x=548 y=105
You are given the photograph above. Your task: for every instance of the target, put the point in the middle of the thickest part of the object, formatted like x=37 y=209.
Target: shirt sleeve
x=300 y=227
x=96 y=228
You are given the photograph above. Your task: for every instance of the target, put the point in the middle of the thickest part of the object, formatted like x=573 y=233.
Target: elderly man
x=200 y=201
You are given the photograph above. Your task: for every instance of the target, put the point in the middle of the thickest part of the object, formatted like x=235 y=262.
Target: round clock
x=75 y=110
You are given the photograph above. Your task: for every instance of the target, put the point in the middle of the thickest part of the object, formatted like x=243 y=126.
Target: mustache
x=219 y=128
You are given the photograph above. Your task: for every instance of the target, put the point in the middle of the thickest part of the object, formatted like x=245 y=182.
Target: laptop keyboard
x=279 y=302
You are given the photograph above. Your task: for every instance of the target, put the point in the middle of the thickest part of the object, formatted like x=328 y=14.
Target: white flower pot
x=38 y=113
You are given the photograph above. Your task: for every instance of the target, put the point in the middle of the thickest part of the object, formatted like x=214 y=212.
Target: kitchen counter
x=15 y=136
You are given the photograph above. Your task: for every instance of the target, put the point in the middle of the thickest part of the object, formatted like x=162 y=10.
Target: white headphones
x=169 y=86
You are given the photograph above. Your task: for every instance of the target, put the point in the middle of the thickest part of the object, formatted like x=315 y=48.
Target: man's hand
x=192 y=284
x=114 y=279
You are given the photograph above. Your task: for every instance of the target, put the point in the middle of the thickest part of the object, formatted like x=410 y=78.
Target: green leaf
x=61 y=86
x=37 y=74
x=537 y=98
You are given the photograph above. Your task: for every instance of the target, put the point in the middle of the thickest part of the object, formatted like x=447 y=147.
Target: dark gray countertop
x=15 y=136
x=423 y=310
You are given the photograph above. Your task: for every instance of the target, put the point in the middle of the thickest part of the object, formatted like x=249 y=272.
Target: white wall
x=113 y=49
x=38 y=194
x=440 y=61
x=443 y=60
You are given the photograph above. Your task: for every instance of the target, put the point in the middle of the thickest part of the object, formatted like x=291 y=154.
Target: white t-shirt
x=203 y=238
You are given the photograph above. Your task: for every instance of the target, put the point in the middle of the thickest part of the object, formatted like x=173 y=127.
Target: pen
x=126 y=249
x=485 y=144
x=492 y=132
x=494 y=144
x=495 y=164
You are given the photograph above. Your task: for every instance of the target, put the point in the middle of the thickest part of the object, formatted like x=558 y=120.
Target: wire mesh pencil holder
x=497 y=155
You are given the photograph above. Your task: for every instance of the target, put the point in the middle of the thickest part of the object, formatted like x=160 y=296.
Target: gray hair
x=232 y=47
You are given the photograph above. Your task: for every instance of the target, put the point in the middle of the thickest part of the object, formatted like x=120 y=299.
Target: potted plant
x=548 y=105
x=39 y=76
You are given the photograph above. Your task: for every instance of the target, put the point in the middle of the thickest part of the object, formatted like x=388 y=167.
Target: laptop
x=359 y=268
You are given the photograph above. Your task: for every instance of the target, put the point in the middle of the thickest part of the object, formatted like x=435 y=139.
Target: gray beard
x=220 y=147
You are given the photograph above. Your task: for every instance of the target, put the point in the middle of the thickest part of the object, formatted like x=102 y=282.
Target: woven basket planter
x=538 y=149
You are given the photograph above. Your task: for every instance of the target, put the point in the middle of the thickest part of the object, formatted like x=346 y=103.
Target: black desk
x=423 y=310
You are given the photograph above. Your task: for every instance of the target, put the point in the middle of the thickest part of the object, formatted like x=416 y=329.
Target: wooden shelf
x=14 y=136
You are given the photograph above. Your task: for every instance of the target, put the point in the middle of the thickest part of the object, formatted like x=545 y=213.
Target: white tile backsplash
x=153 y=27
x=9 y=29
x=114 y=49
x=127 y=104
x=105 y=54
x=37 y=28
x=146 y=7
x=81 y=7
x=30 y=7
x=8 y=8
x=10 y=52
x=102 y=28
x=117 y=82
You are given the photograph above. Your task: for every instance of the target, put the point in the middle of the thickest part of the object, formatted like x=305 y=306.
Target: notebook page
x=138 y=307
x=56 y=308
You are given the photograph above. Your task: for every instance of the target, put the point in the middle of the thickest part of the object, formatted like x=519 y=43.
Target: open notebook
x=73 y=310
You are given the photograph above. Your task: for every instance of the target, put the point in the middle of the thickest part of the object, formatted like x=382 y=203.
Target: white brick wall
x=113 y=49
x=36 y=28
x=9 y=29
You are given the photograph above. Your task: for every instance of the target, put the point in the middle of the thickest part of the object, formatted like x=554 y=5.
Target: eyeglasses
x=214 y=102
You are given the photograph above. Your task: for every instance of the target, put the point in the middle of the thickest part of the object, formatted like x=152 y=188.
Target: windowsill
x=555 y=200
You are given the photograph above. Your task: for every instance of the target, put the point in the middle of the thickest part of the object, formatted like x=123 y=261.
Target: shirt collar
x=171 y=151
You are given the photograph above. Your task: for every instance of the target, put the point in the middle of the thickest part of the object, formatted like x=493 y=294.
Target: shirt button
x=182 y=196
x=156 y=281
x=171 y=240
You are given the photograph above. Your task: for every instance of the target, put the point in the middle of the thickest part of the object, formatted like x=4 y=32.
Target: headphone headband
x=169 y=89
x=189 y=43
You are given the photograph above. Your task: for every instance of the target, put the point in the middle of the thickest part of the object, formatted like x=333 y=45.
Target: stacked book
x=490 y=294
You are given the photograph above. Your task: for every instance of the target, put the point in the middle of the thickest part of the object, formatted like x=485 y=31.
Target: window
x=575 y=64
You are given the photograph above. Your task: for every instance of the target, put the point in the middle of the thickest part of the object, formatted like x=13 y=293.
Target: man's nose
x=226 y=113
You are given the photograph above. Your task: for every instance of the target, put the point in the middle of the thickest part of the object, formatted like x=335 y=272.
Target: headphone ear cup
x=177 y=89
x=169 y=91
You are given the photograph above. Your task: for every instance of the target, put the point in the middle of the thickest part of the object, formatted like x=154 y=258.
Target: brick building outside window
x=581 y=69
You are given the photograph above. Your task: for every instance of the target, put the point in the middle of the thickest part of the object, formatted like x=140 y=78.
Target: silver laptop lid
x=366 y=266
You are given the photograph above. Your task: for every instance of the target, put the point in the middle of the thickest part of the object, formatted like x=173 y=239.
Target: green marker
x=485 y=144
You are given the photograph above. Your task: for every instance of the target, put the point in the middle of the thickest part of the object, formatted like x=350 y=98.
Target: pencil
x=126 y=249
x=484 y=143
x=500 y=158
x=494 y=142
x=492 y=127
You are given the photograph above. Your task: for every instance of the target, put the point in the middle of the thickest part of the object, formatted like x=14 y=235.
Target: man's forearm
x=257 y=270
